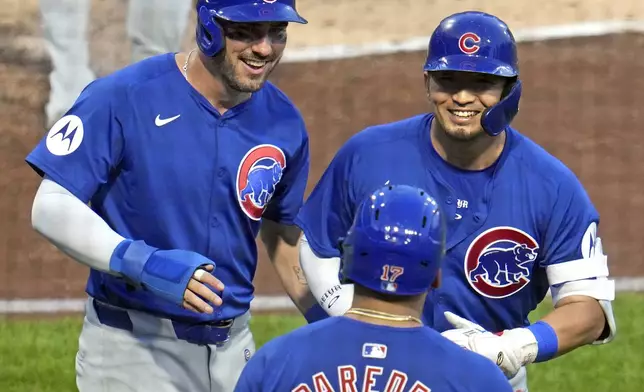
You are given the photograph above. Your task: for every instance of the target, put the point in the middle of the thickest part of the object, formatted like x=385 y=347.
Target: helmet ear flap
x=210 y=36
x=498 y=117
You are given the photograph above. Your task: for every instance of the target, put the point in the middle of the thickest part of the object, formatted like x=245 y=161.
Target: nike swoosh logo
x=161 y=122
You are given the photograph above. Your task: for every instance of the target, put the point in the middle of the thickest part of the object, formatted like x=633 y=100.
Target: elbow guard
x=587 y=277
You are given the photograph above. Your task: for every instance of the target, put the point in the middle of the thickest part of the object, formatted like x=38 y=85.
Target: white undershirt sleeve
x=73 y=227
x=322 y=277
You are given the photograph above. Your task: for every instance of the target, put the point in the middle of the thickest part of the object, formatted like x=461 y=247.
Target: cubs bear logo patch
x=259 y=172
x=498 y=262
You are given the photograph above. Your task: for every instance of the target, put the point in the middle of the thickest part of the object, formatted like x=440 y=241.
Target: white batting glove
x=510 y=349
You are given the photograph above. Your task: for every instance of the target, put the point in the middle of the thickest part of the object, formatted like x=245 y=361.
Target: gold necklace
x=382 y=315
x=185 y=65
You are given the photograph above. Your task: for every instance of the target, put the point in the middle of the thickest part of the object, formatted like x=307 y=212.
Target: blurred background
x=357 y=63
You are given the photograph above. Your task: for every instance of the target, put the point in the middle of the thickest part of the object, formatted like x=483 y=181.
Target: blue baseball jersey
x=159 y=163
x=506 y=224
x=343 y=354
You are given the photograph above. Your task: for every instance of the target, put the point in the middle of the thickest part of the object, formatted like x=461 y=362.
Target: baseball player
x=392 y=255
x=518 y=220
x=153 y=26
x=183 y=158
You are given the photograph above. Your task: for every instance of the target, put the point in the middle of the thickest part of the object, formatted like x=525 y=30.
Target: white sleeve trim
x=595 y=267
x=72 y=226
x=322 y=277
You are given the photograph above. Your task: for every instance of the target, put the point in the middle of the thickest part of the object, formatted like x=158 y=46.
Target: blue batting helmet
x=210 y=38
x=482 y=43
x=396 y=242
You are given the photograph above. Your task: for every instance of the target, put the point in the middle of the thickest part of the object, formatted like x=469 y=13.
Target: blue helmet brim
x=468 y=63
x=260 y=12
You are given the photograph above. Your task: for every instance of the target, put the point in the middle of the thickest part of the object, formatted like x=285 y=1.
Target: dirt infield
x=581 y=101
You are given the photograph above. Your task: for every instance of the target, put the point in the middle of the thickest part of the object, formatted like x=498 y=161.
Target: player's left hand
x=199 y=292
x=510 y=349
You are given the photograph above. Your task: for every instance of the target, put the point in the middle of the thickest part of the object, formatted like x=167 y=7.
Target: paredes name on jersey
x=347 y=380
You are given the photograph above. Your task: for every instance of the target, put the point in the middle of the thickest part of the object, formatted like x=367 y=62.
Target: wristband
x=547 y=341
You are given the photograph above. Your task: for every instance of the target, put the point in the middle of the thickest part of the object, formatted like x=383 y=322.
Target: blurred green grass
x=38 y=355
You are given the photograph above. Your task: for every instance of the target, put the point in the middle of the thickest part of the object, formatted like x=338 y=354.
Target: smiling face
x=459 y=99
x=251 y=53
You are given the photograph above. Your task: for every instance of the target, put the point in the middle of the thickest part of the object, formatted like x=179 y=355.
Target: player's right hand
x=198 y=295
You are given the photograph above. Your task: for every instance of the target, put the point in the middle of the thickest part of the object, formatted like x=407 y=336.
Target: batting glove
x=510 y=349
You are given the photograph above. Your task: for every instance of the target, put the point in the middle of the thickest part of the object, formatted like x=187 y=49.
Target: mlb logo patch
x=389 y=286
x=374 y=350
